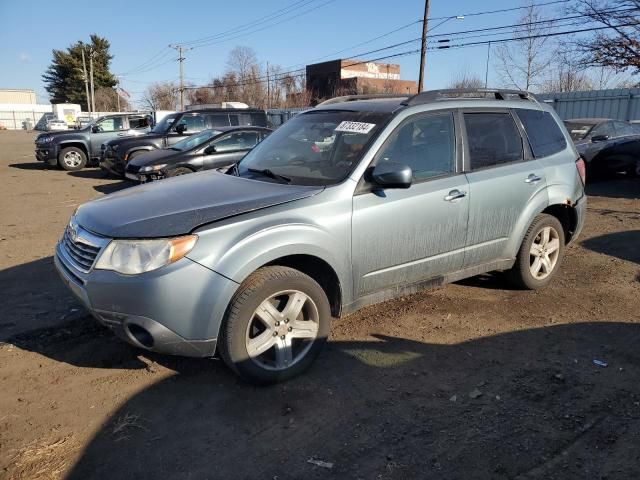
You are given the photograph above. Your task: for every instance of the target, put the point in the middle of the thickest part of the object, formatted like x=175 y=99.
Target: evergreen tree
x=64 y=78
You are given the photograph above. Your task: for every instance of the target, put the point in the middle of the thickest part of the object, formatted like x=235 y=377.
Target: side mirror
x=95 y=129
x=392 y=175
x=209 y=150
x=181 y=128
x=599 y=138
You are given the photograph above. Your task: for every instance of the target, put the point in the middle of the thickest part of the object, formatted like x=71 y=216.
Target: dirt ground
x=474 y=380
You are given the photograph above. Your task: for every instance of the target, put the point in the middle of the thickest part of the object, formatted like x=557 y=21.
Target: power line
x=502 y=10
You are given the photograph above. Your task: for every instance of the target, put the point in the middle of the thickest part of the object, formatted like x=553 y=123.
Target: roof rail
x=353 y=98
x=497 y=93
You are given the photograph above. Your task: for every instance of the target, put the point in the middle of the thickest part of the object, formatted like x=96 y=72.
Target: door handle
x=454 y=195
x=532 y=179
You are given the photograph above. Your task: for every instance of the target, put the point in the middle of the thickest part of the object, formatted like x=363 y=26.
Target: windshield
x=195 y=140
x=321 y=147
x=163 y=125
x=578 y=131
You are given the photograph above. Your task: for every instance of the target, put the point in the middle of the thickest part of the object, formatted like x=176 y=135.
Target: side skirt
x=429 y=284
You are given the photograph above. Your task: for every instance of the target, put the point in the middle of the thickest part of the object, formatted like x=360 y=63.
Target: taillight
x=582 y=170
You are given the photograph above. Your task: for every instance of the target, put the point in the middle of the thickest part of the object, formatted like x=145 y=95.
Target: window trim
x=365 y=186
x=527 y=156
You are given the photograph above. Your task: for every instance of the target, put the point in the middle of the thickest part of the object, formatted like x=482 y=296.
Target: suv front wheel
x=72 y=159
x=276 y=324
x=540 y=254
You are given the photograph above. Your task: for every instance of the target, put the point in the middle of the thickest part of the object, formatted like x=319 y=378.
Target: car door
x=230 y=148
x=503 y=178
x=404 y=236
x=106 y=129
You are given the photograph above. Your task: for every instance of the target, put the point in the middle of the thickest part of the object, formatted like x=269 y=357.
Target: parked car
x=351 y=203
x=174 y=128
x=72 y=150
x=607 y=146
x=209 y=149
x=82 y=122
x=55 y=125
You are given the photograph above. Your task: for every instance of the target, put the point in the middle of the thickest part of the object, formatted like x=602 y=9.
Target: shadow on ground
x=97 y=173
x=614 y=188
x=32 y=166
x=624 y=245
x=527 y=404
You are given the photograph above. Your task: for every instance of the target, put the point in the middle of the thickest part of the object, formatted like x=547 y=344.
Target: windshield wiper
x=268 y=173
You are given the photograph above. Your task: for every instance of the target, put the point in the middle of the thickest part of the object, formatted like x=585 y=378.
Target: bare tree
x=565 y=73
x=522 y=63
x=465 y=80
x=107 y=100
x=161 y=96
x=618 y=46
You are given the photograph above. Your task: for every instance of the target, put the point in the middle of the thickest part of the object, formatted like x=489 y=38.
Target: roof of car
x=588 y=121
x=223 y=110
x=371 y=105
x=238 y=127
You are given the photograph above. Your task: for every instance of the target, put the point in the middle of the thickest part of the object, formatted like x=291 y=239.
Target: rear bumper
x=175 y=310
x=581 y=214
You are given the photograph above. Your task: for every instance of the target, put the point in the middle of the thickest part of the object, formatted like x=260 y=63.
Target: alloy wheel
x=282 y=330
x=72 y=159
x=544 y=252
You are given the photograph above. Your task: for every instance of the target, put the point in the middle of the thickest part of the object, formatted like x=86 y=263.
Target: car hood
x=178 y=205
x=58 y=133
x=154 y=157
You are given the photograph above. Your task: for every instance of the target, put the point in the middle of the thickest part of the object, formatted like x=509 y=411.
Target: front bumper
x=177 y=309
x=47 y=153
x=110 y=162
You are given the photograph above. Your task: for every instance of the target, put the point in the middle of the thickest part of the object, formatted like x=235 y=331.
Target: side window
x=218 y=120
x=623 y=129
x=545 y=137
x=194 y=123
x=425 y=143
x=236 y=141
x=605 y=128
x=139 y=122
x=493 y=139
x=110 y=124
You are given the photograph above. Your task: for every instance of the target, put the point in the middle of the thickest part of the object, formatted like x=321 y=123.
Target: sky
x=311 y=30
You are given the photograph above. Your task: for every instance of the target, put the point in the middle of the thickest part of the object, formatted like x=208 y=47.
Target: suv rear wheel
x=276 y=324
x=72 y=159
x=540 y=254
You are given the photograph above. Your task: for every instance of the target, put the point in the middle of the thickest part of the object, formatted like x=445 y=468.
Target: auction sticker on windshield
x=355 y=127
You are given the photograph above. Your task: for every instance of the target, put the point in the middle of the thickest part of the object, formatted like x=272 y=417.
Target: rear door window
x=218 y=120
x=493 y=139
x=624 y=129
x=545 y=136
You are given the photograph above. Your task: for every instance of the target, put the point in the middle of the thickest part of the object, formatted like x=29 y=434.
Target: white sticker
x=355 y=127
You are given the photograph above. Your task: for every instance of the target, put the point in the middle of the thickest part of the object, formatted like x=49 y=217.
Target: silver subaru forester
x=354 y=202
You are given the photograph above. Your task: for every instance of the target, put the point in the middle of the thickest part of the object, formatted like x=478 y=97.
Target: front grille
x=80 y=252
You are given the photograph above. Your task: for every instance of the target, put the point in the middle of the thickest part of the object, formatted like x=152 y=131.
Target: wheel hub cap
x=543 y=255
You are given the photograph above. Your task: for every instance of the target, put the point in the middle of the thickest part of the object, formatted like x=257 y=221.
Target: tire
x=546 y=262
x=72 y=159
x=283 y=347
x=176 y=172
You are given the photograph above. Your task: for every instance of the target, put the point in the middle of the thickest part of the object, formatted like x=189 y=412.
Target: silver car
x=352 y=203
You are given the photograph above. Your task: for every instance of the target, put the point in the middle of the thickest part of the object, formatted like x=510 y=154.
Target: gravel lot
x=474 y=380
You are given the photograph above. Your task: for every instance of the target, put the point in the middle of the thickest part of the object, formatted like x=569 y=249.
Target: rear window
x=545 y=136
x=493 y=139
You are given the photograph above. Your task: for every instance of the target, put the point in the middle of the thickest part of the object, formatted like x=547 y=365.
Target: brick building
x=347 y=77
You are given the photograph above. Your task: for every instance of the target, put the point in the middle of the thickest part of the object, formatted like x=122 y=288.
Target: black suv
x=173 y=128
x=73 y=149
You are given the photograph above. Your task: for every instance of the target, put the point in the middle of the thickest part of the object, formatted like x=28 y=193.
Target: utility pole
x=268 y=88
x=93 y=97
x=118 y=92
x=423 y=49
x=181 y=59
x=86 y=80
x=486 y=71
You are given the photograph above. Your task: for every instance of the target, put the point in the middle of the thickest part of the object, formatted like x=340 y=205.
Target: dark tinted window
x=236 y=141
x=138 y=121
x=426 y=144
x=217 y=120
x=545 y=137
x=605 y=128
x=194 y=123
x=248 y=119
x=493 y=139
x=624 y=128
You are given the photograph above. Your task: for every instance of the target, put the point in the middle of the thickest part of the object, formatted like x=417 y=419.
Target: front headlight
x=152 y=168
x=132 y=257
x=46 y=139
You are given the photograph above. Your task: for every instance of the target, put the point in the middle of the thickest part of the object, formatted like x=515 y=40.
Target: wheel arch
x=77 y=144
